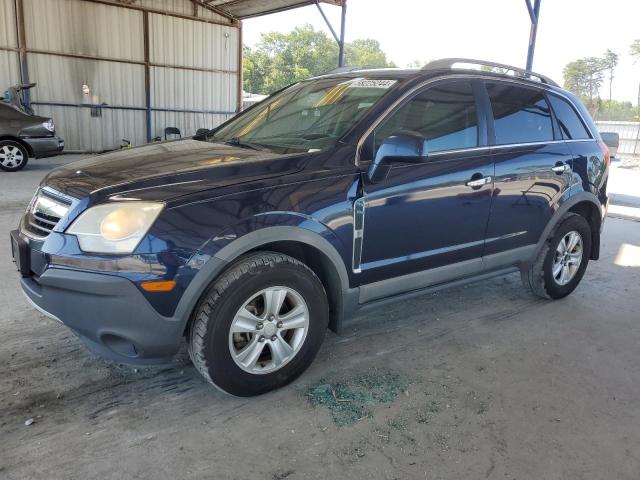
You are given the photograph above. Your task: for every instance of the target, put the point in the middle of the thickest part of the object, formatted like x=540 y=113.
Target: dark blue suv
x=332 y=196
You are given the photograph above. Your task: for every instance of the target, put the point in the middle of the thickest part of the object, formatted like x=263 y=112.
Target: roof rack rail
x=342 y=70
x=448 y=63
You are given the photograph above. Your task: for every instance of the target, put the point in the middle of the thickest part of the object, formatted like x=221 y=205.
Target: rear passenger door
x=576 y=136
x=532 y=171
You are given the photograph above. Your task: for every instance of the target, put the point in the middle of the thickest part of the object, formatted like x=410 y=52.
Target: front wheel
x=13 y=156
x=260 y=325
x=562 y=261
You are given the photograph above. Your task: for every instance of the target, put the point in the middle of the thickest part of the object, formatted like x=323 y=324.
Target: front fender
x=260 y=230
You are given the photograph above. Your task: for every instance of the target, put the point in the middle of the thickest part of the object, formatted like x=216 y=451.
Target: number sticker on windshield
x=371 y=83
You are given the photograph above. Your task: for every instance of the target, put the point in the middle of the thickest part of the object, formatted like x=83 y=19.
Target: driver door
x=425 y=223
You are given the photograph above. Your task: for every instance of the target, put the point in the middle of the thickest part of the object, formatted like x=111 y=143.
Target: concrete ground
x=483 y=381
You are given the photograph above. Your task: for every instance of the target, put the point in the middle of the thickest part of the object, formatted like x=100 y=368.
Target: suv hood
x=162 y=171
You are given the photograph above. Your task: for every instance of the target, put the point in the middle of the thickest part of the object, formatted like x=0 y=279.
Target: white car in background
x=612 y=141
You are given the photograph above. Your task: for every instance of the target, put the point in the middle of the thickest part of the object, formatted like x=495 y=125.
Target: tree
x=366 y=53
x=635 y=54
x=490 y=69
x=584 y=77
x=610 y=62
x=417 y=63
x=635 y=49
x=280 y=59
x=253 y=75
x=617 y=110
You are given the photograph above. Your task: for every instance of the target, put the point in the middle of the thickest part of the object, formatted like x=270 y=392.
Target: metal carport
x=113 y=69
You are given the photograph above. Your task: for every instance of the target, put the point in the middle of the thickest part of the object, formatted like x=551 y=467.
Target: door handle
x=560 y=168
x=478 y=182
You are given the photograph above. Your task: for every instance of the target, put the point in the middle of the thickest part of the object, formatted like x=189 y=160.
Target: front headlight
x=49 y=125
x=114 y=227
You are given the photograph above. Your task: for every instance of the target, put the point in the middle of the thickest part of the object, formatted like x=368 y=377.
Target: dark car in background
x=24 y=135
x=612 y=141
x=330 y=198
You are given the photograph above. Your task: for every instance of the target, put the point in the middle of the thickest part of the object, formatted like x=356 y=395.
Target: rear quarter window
x=570 y=124
x=521 y=115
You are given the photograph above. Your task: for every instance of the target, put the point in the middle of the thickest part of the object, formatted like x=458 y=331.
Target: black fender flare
x=562 y=210
x=226 y=255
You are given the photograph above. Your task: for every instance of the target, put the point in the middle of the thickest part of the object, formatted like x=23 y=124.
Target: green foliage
x=635 y=49
x=280 y=59
x=635 y=54
x=584 y=77
x=417 y=63
x=490 y=69
x=610 y=59
x=610 y=62
x=365 y=53
x=614 y=110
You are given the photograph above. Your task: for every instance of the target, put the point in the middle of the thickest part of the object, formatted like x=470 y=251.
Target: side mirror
x=401 y=147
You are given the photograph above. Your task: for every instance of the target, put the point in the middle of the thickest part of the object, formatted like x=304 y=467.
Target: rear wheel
x=260 y=325
x=563 y=259
x=13 y=156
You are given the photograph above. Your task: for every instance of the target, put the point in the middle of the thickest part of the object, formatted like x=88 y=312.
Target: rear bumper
x=109 y=313
x=45 y=146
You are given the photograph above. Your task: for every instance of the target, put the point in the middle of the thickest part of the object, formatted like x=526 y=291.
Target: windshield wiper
x=236 y=142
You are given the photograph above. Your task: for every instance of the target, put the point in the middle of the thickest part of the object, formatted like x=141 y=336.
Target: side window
x=521 y=115
x=570 y=124
x=444 y=114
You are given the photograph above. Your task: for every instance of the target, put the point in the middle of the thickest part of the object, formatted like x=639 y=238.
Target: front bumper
x=45 y=146
x=108 y=312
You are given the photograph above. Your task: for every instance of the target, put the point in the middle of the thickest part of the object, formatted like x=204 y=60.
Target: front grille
x=44 y=213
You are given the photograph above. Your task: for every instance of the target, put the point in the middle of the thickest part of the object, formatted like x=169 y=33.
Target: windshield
x=309 y=116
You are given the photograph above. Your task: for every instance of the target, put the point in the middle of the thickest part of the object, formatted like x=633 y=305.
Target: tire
x=540 y=277
x=13 y=156
x=211 y=342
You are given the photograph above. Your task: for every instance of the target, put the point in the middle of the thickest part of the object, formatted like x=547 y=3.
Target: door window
x=571 y=126
x=445 y=115
x=521 y=115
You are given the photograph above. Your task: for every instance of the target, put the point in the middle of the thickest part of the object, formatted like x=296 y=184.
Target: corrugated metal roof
x=254 y=8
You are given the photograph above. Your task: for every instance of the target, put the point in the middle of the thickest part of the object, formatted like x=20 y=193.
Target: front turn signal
x=158 y=286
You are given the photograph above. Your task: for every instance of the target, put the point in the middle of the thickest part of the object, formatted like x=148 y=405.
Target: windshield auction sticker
x=371 y=83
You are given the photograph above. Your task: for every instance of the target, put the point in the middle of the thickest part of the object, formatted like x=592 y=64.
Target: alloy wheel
x=268 y=330
x=568 y=258
x=11 y=156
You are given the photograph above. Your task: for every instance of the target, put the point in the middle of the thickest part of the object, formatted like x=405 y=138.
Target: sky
x=496 y=30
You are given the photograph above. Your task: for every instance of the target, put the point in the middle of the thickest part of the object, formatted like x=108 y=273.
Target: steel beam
x=232 y=21
x=534 y=15
x=147 y=74
x=339 y=39
x=134 y=108
x=240 y=70
x=326 y=20
x=122 y=60
x=22 y=51
x=343 y=21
